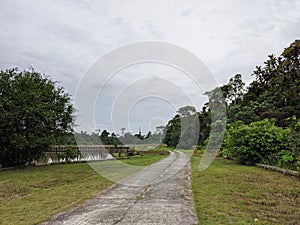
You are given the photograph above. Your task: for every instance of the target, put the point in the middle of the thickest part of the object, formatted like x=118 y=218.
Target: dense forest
x=263 y=119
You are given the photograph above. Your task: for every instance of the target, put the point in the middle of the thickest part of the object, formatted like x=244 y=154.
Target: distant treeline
x=106 y=138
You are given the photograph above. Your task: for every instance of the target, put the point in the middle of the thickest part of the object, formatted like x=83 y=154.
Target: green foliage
x=186 y=111
x=259 y=130
x=294 y=135
x=198 y=151
x=259 y=142
x=173 y=130
x=204 y=125
x=190 y=128
x=33 y=113
x=275 y=95
x=182 y=130
x=71 y=152
x=234 y=90
x=275 y=91
x=294 y=140
x=83 y=138
x=286 y=159
x=107 y=139
x=65 y=139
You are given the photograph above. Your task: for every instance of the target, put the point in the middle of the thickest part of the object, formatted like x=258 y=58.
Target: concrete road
x=158 y=194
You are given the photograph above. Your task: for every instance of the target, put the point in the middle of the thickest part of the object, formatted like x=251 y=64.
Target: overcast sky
x=65 y=38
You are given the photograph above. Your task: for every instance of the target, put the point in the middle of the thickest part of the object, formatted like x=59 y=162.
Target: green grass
x=34 y=194
x=228 y=193
x=144 y=160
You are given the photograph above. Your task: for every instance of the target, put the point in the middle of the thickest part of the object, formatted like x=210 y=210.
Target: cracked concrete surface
x=158 y=194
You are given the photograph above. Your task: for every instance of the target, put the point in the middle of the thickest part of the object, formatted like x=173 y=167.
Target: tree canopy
x=34 y=111
x=275 y=92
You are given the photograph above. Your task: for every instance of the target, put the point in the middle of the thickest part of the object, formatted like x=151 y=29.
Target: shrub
x=294 y=140
x=259 y=142
x=69 y=154
x=286 y=159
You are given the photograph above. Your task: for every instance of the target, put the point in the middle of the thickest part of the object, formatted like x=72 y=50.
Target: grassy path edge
x=228 y=193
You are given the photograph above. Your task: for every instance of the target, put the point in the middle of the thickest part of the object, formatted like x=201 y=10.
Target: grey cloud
x=64 y=38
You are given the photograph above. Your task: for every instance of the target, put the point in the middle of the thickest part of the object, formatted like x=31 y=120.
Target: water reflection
x=84 y=155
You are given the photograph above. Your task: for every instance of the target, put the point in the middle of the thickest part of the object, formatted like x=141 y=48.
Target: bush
x=259 y=142
x=286 y=159
x=70 y=153
x=294 y=140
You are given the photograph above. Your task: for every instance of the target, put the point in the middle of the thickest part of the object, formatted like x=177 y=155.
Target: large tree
x=276 y=91
x=182 y=131
x=34 y=111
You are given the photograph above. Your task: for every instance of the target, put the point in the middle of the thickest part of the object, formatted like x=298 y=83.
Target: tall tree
x=104 y=137
x=234 y=90
x=186 y=111
x=182 y=130
x=275 y=92
x=173 y=130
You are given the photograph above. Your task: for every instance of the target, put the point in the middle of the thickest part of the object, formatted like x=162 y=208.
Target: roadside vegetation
x=262 y=121
x=229 y=193
x=261 y=142
x=144 y=160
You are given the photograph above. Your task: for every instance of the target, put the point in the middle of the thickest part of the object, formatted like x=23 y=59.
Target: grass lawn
x=34 y=194
x=144 y=160
x=228 y=193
